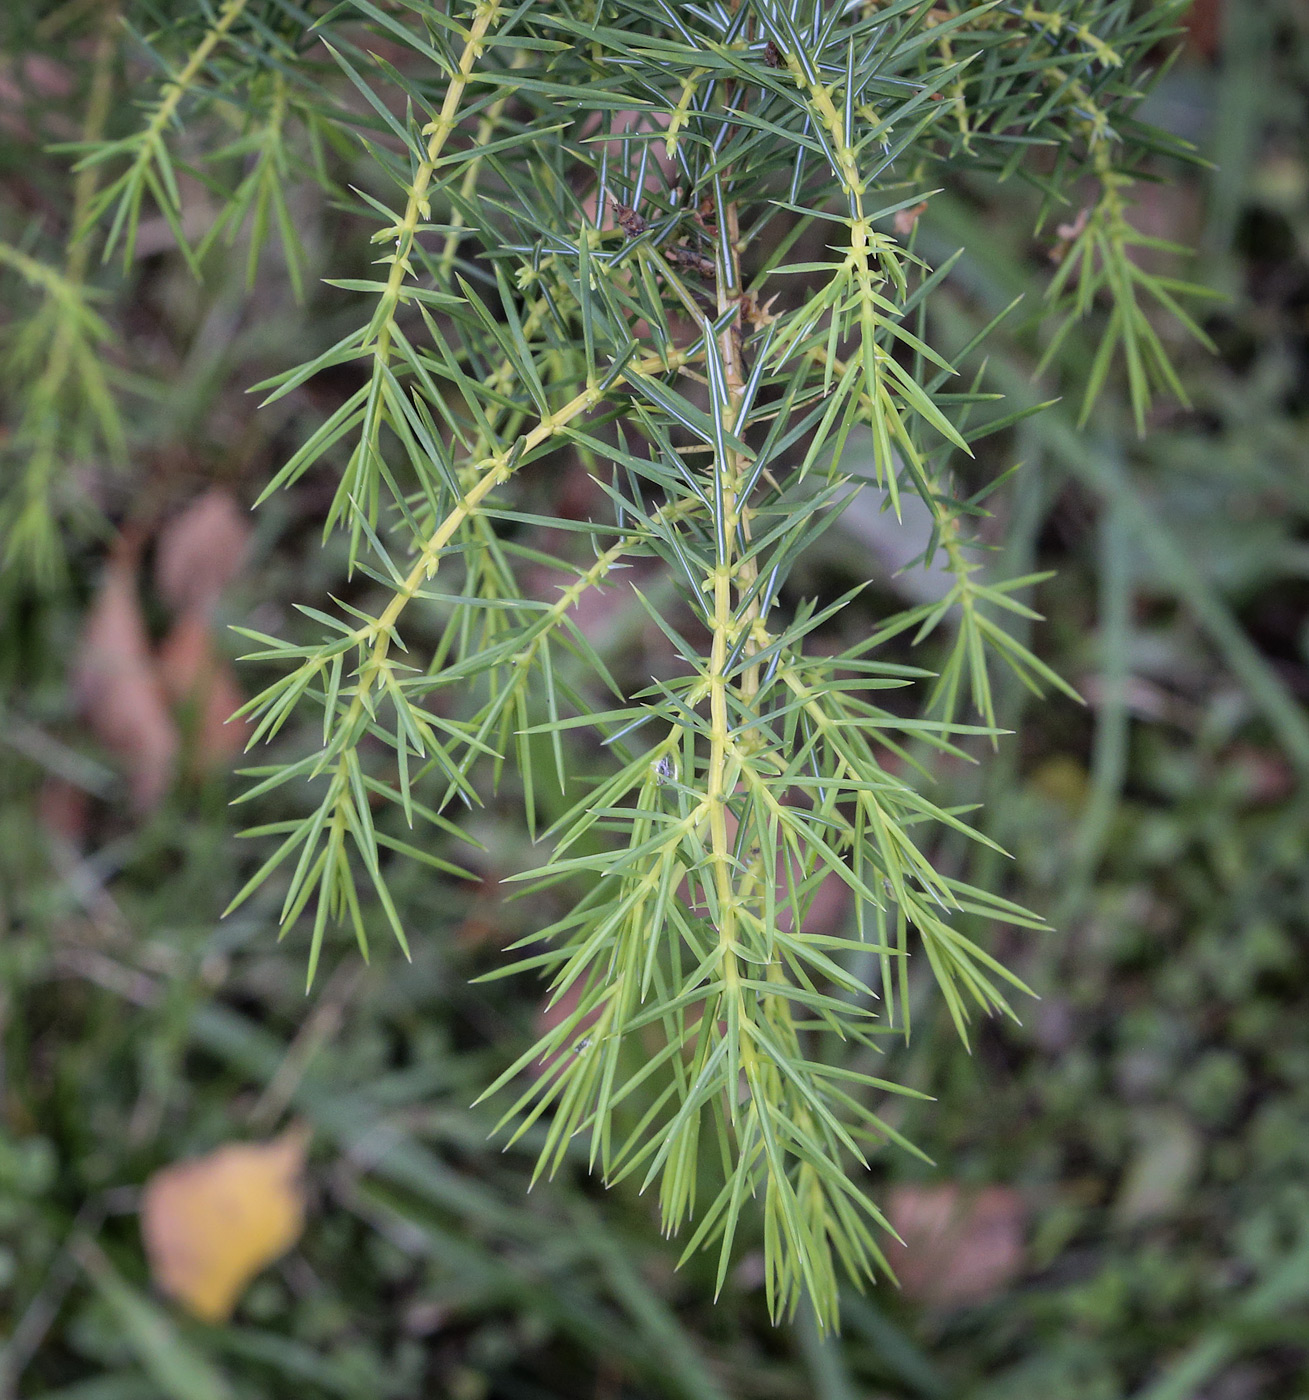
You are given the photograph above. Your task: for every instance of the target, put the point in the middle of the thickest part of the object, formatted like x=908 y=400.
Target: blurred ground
x=1121 y=1202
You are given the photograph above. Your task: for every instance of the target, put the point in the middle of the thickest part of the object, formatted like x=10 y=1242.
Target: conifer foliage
x=586 y=217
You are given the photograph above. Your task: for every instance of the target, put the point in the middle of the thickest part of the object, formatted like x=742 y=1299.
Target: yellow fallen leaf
x=211 y=1224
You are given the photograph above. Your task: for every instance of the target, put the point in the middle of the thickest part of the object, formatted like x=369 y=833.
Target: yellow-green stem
x=417 y=208
x=176 y=89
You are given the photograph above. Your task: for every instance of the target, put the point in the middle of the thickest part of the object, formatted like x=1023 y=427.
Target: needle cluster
x=586 y=217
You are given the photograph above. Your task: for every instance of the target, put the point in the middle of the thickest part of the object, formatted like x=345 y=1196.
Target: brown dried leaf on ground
x=1204 y=21
x=960 y=1247
x=117 y=686
x=905 y=219
x=485 y=924
x=211 y=1224
x=202 y=686
x=63 y=809
x=34 y=83
x=200 y=551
